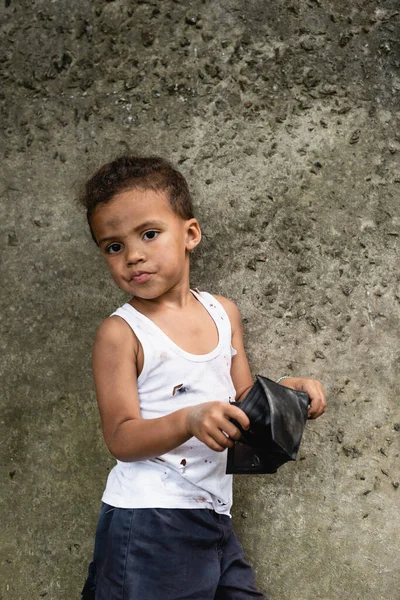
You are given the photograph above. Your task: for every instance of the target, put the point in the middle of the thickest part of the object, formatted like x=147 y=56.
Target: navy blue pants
x=167 y=554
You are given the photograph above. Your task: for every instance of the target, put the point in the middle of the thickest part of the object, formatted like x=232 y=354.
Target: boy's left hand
x=314 y=389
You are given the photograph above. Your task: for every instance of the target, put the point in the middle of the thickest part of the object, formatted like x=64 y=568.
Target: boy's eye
x=150 y=235
x=113 y=248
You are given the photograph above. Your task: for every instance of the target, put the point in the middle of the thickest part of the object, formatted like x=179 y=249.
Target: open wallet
x=277 y=417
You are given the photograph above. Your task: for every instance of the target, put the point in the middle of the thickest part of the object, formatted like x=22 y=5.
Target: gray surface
x=284 y=116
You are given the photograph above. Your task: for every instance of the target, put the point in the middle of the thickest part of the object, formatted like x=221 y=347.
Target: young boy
x=166 y=366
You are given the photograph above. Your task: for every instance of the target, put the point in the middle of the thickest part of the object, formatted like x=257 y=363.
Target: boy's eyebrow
x=145 y=225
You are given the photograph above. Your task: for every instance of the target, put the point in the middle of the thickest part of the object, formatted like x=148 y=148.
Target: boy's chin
x=143 y=296
x=149 y=292
x=144 y=292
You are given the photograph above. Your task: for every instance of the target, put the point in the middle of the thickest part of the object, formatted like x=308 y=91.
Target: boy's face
x=144 y=243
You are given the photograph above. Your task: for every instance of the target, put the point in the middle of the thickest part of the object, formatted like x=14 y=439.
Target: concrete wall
x=284 y=116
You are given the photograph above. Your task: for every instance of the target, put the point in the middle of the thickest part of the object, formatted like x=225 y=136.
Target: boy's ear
x=193 y=234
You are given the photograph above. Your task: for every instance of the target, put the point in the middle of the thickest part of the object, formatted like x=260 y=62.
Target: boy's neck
x=176 y=299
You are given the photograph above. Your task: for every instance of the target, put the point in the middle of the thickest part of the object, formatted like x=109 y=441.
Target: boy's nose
x=134 y=255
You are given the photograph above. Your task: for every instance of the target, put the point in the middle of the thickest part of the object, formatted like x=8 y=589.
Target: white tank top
x=192 y=475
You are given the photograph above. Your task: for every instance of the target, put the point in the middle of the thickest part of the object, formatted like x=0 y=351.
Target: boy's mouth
x=140 y=277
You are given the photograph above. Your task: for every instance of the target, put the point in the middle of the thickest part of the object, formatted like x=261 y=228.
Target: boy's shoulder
x=115 y=332
x=230 y=308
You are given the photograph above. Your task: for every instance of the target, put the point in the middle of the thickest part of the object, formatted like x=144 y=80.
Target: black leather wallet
x=277 y=416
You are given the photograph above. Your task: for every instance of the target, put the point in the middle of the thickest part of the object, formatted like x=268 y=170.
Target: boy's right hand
x=211 y=424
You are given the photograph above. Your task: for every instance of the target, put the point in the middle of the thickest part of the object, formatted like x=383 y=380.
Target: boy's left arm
x=241 y=374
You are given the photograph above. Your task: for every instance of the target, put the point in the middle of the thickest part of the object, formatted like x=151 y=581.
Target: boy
x=166 y=366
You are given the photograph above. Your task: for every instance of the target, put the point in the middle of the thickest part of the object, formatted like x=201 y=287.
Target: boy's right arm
x=127 y=435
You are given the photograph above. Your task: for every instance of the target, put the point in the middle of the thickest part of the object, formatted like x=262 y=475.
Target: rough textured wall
x=284 y=116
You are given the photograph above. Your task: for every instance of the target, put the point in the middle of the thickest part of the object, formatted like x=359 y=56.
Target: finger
x=214 y=445
x=234 y=412
x=222 y=439
x=231 y=430
x=314 y=412
x=317 y=408
x=228 y=428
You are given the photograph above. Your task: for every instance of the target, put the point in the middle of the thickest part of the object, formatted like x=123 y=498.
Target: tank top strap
x=129 y=315
x=219 y=315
